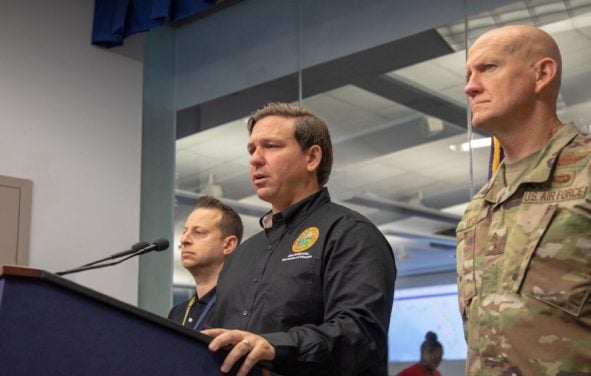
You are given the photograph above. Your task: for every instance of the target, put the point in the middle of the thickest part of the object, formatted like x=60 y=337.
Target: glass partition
x=396 y=111
x=393 y=101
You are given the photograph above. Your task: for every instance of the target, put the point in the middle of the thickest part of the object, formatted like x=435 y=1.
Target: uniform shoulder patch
x=306 y=239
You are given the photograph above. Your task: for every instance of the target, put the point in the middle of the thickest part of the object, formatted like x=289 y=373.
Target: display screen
x=419 y=310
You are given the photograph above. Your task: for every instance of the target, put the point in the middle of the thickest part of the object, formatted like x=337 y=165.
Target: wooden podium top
x=20 y=271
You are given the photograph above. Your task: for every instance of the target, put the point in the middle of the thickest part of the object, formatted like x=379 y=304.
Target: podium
x=51 y=326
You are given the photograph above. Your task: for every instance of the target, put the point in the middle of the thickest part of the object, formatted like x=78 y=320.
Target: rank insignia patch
x=306 y=239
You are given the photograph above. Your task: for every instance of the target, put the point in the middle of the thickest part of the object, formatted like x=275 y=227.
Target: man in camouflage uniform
x=524 y=243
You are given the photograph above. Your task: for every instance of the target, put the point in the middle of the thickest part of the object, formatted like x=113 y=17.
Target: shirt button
x=255 y=280
x=244 y=313
x=269 y=247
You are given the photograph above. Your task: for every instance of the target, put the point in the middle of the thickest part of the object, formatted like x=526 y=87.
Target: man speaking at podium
x=312 y=292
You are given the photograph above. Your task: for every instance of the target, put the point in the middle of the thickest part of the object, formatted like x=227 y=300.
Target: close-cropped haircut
x=309 y=131
x=230 y=224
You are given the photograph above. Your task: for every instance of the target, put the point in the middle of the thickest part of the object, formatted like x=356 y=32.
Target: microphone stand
x=136 y=250
x=95 y=265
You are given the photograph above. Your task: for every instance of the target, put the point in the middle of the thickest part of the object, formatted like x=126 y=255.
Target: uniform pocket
x=559 y=270
x=465 y=263
x=465 y=267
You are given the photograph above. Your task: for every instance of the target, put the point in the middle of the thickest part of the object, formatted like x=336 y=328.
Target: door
x=15 y=219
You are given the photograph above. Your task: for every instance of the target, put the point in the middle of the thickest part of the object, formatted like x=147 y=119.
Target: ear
x=230 y=244
x=546 y=72
x=314 y=154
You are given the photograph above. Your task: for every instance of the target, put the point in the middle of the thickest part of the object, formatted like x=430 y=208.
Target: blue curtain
x=115 y=20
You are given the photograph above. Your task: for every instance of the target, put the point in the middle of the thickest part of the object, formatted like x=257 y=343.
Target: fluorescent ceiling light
x=474 y=144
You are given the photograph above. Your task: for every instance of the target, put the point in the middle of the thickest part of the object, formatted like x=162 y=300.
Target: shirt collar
x=207 y=297
x=298 y=210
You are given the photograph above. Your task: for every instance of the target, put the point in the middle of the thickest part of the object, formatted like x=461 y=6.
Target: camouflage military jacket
x=524 y=266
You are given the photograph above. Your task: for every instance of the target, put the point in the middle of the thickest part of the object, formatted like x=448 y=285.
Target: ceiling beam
x=190 y=198
x=435 y=240
x=403 y=208
x=411 y=96
x=367 y=64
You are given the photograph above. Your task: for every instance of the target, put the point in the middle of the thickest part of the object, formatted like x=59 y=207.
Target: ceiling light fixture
x=474 y=144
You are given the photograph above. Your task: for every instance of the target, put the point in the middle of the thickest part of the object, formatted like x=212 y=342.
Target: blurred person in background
x=431 y=355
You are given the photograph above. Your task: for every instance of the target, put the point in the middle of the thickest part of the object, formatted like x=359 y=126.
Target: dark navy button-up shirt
x=318 y=285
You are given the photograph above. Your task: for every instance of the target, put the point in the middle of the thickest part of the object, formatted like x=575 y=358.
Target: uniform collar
x=538 y=173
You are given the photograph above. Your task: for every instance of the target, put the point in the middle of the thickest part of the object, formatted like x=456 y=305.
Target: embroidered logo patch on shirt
x=305 y=240
x=563 y=178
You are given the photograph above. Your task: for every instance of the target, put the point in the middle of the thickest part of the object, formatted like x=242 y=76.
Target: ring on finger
x=248 y=344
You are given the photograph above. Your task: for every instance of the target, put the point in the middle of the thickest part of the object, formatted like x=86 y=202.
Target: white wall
x=71 y=122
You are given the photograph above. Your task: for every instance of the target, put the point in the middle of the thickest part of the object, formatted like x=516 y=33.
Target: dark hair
x=309 y=131
x=231 y=224
x=431 y=343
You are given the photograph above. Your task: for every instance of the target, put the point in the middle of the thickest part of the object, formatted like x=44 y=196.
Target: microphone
x=158 y=245
x=134 y=248
x=137 y=249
